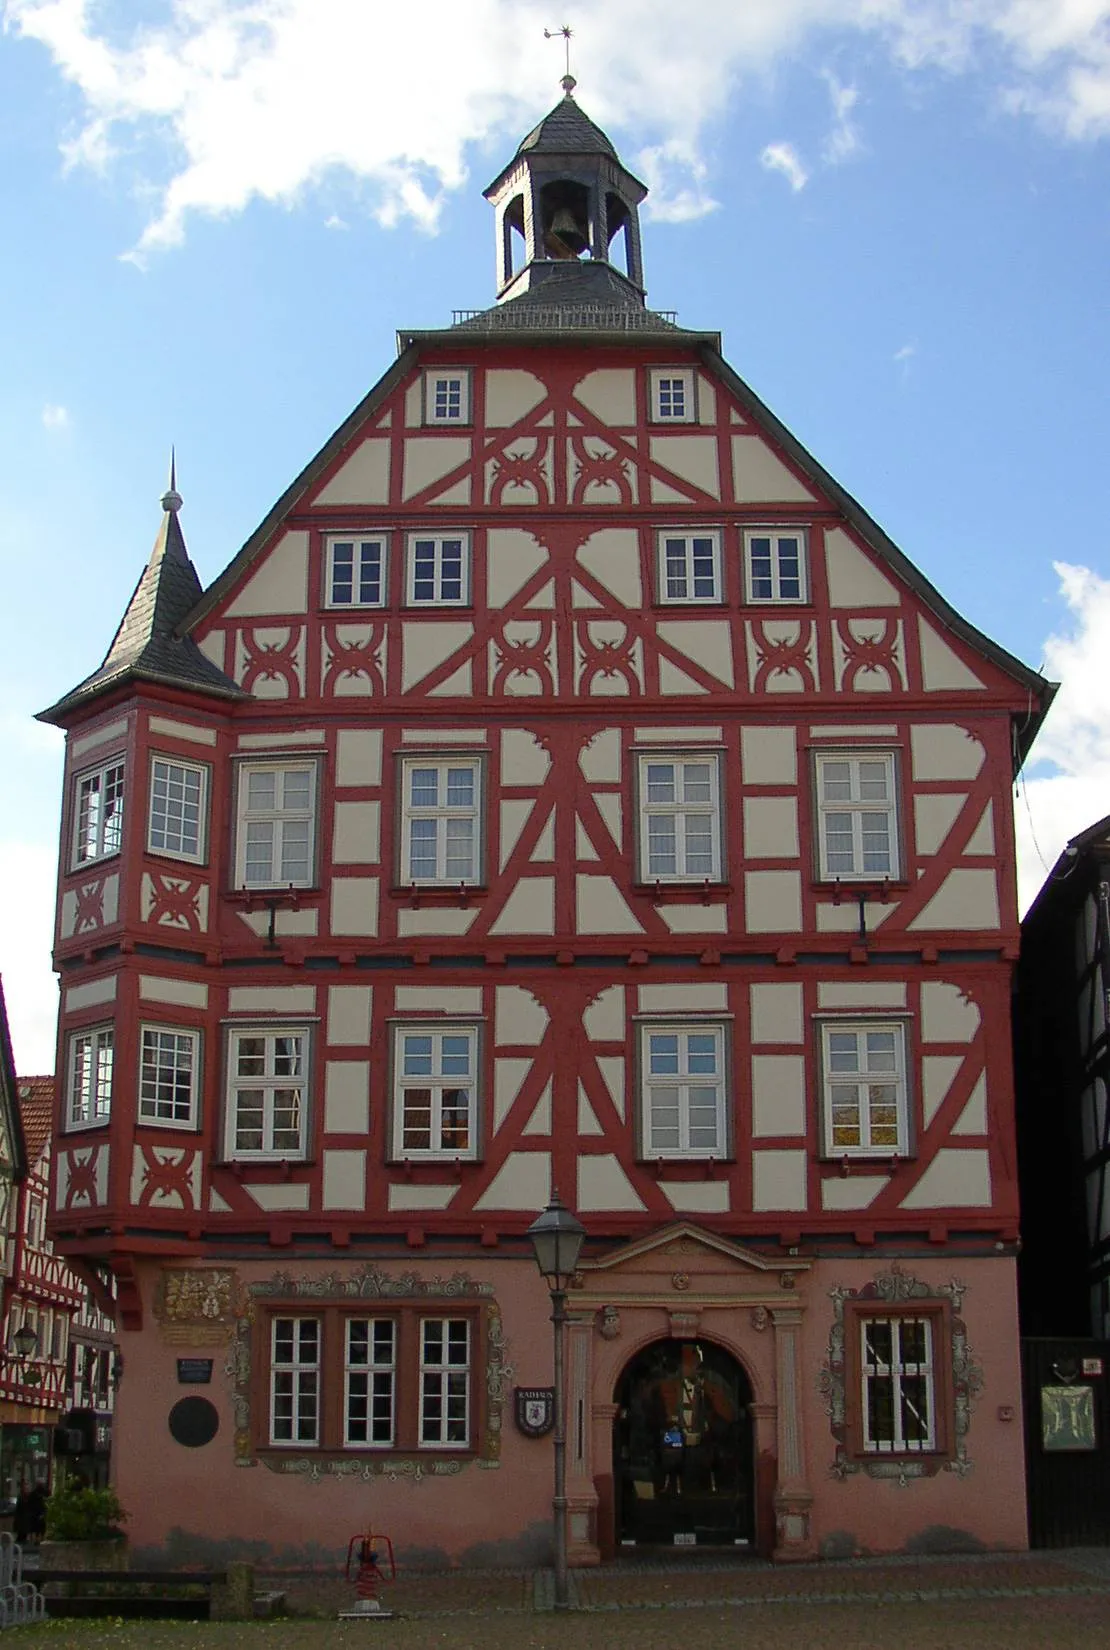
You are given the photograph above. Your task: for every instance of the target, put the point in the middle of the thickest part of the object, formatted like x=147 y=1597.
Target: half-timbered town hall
x=567 y=787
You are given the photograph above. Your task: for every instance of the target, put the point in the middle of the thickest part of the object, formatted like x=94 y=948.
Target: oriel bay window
x=267 y=1093
x=89 y=1077
x=342 y=1380
x=435 y=1088
x=169 y=1074
x=177 y=807
x=98 y=813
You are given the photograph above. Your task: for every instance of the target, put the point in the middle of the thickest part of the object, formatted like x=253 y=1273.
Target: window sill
x=433 y=1171
x=271 y=1169
x=287 y=893
x=393 y=1458
x=688 y=1168
x=704 y=891
x=860 y=1160
x=437 y=893
x=71 y=1128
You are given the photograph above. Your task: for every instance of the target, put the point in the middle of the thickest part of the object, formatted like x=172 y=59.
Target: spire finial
x=171 y=499
x=565 y=33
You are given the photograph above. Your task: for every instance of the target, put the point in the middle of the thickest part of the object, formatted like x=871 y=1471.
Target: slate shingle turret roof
x=571 y=296
x=566 y=131
x=145 y=646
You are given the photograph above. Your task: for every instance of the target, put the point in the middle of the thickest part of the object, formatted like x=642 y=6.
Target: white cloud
x=783 y=157
x=844 y=140
x=336 y=222
x=1074 y=744
x=236 y=100
x=55 y=417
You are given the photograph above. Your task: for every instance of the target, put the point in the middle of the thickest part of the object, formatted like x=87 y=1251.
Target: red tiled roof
x=36 y=1108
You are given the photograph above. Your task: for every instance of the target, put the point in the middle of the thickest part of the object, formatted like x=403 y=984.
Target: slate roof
x=36 y=1110
x=145 y=647
x=573 y=296
x=566 y=131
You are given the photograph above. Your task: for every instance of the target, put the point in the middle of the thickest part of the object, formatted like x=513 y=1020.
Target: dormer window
x=447 y=396
x=673 y=395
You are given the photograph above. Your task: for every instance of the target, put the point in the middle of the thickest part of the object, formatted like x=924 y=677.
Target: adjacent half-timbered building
x=568 y=786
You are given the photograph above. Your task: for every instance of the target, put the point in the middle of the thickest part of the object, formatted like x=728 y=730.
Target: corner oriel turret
x=564 y=200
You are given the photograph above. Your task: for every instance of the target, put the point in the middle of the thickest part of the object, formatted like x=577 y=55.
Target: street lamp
x=25 y=1343
x=557 y=1236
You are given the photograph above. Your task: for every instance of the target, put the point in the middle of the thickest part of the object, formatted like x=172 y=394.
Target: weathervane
x=566 y=32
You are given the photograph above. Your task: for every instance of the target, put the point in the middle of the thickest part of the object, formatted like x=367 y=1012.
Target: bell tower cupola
x=566 y=200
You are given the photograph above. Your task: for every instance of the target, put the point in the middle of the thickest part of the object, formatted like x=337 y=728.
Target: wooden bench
x=191 y=1594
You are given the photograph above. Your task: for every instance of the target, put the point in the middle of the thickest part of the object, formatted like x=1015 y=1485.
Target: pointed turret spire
x=147 y=644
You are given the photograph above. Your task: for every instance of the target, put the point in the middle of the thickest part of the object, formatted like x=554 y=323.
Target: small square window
x=682 y=1090
x=169 y=1076
x=89 y=1077
x=356 y=570
x=435 y=1083
x=447 y=395
x=178 y=802
x=673 y=393
x=439 y=570
x=98 y=813
x=864 y=1088
x=776 y=564
x=690 y=566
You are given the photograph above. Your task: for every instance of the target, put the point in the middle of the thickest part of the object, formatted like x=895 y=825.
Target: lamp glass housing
x=557 y=1236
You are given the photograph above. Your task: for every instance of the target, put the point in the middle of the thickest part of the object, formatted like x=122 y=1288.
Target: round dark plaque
x=193 y=1422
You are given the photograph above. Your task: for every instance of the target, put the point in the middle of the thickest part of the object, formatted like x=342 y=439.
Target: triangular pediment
x=673 y=1247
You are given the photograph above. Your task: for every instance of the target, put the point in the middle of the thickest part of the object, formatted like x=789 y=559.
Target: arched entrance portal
x=683 y=1457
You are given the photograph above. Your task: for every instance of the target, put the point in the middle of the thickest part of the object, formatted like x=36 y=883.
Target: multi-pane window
x=447 y=396
x=267 y=1093
x=89 y=1090
x=898 y=1394
x=277 y=809
x=857 y=815
x=439 y=570
x=690 y=567
x=98 y=822
x=370 y=1383
x=435 y=1091
x=672 y=395
x=680 y=827
x=445 y=1383
x=177 y=796
x=441 y=820
x=775 y=564
x=864 y=1088
x=295 y=1381
x=683 y=1090
x=169 y=1067
x=356 y=571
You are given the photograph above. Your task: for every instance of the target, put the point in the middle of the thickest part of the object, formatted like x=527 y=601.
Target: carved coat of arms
x=535 y=1409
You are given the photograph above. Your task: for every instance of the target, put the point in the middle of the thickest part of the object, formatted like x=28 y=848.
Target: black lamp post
x=25 y=1343
x=557 y=1236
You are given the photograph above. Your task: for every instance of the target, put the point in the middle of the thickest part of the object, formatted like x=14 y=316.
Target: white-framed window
x=438 y=570
x=444 y=1383
x=682 y=1090
x=898 y=1391
x=295 y=1369
x=98 y=812
x=276 y=827
x=89 y=1077
x=441 y=819
x=435 y=1087
x=864 y=1087
x=673 y=395
x=178 y=798
x=370 y=1383
x=356 y=569
x=169 y=1076
x=776 y=564
x=690 y=566
x=857 y=812
x=267 y=1092
x=447 y=395
x=680 y=817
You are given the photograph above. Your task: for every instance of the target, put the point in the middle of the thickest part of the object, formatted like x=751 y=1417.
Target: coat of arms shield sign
x=535 y=1409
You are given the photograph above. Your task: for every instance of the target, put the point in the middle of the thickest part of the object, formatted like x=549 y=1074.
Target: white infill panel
x=942 y=670
x=600 y=759
x=947 y=1016
x=603 y=1184
x=188 y=993
x=529 y=909
x=344 y=1180
x=938 y=1072
x=277 y=1199
x=857 y=1191
x=967 y=898
x=768 y=756
x=778 y=1094
x=420 y=1197
x=508 y=1075
x=513 y=556
x=511 y=394
x=354 y=905
x=271 y=999
x=773 y=902
x=706 y=996
x=612 y=555
x=540 y=1120
x=862 y=994
x=98 y=736
x=604 y=1019
x=443 y=919
x=854 y=579
x=776 y=1014
x=602 y=909
x=358 y=757
x=279 y=582
x=522 y=1182
x=611 y=1067
x=523 y=759
x=435 y=999
x=91 y=994
x=697 y=1197
x=428 y=645
x=973 y=1118
x=953 y=1180
x=704 y=642
x=610 y=394
x=933 y=817
x=771 y=827
x=779 y=1180
x=587 y=1117
x=357 y=838
x=943 y=751
x=520 y=1018
x=363 y=479
x=695 y=919
x=349 y=1014
x=182 y=730
x=347 y=1097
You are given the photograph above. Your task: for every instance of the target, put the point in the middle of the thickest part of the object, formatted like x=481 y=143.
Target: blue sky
x=216 y=216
